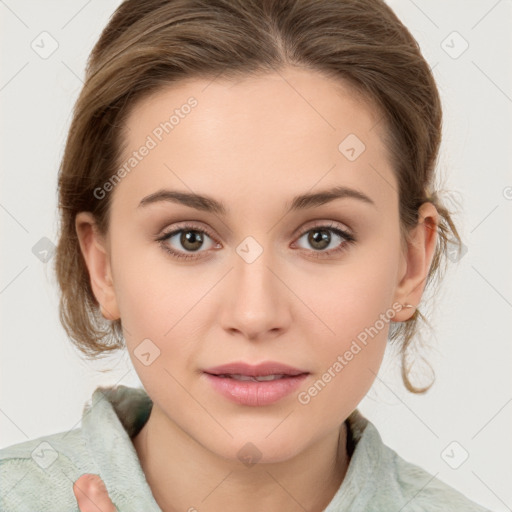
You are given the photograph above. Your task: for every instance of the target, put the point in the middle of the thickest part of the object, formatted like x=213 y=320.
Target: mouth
x=255 y=385
x=260 y=378
x=267 y=371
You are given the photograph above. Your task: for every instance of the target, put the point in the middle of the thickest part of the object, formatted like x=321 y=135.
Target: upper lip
x=258 y=370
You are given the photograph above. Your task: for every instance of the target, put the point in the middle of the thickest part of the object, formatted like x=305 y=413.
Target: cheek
x=158 y=306
x=152 y=292
x=351 y=314
x=354 y=323
x=345 y=300
x=348 y=358
x=162 y=302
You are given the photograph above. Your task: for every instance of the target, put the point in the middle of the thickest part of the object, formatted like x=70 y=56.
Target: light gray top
x=39 y=474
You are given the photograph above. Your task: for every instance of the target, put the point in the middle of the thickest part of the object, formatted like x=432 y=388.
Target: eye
x=192 y=238
x=320 y=238
x=189 y=237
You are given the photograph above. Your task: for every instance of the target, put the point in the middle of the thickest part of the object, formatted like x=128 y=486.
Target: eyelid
x=181 y=226
x=348 y=240
x=322 y=224
x=299 y=232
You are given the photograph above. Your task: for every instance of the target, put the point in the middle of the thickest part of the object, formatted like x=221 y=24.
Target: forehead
x=288 y=131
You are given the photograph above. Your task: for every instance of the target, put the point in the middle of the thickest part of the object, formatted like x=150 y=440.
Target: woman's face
x=267 y=276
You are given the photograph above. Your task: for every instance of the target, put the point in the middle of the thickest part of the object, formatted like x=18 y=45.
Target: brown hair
x=148 y=44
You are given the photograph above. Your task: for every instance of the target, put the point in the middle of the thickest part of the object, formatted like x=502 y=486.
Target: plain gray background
x=468 y=412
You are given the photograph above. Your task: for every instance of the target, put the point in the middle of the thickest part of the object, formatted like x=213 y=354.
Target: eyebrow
x=209 y=204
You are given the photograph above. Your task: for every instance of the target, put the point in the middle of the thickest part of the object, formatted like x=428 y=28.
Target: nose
x=256 y=298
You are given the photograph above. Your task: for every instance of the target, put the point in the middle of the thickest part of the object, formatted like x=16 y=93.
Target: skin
x=92 y=495
x=254 y=144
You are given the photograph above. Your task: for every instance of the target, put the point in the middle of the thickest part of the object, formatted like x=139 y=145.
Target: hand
x=92 y=495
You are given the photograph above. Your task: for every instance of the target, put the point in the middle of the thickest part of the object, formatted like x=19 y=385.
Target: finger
x=92 y=495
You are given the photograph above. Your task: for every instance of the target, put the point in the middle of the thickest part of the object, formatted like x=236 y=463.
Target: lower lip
x=248 y=392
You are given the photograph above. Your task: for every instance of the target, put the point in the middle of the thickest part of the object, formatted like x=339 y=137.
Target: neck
x=184 y=475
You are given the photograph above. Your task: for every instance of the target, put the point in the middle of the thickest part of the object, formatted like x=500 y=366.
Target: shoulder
x=424 y=491
x=386 y=481
x=39 y=474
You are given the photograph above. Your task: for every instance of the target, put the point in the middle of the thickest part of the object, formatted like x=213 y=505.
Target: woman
x=248 y=205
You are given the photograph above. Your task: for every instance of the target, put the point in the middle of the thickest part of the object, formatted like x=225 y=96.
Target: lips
x=266 y=369
x=255 y=385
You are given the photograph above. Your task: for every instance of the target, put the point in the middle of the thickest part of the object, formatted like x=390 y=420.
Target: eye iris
x=319 y=237
x=191 y=237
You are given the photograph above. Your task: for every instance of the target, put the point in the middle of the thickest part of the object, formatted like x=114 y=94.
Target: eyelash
x=349 y=240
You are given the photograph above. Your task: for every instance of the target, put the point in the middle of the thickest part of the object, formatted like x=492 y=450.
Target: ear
x=96 y=255
x=417 y=261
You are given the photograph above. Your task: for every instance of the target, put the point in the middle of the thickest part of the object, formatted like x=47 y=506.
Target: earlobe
x=420 y=253
x=96 y=256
